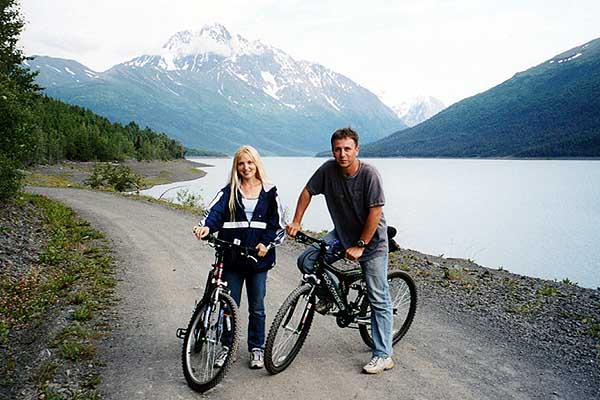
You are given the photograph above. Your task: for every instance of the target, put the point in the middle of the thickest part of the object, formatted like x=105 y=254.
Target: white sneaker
x=257 y=358
x=221 y=357
x=378 y=364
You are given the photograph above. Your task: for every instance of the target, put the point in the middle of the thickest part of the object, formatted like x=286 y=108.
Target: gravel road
x=161 y=268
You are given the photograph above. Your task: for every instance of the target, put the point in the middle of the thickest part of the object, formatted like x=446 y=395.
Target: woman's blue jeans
x=256 y=289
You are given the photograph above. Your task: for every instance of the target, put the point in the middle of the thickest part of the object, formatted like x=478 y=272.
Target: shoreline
x=158 y=172
x=155 y=172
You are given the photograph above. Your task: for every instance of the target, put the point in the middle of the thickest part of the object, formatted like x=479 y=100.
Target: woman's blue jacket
x=267 y=227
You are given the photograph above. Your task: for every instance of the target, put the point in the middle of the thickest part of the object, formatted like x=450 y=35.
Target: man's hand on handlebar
x=354 y=253
x=293 y=228
x=201 y=231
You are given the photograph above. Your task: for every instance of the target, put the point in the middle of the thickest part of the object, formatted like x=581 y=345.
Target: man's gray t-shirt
x=349 y=199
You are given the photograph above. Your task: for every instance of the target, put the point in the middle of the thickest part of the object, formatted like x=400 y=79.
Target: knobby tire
x=289 y=329
x=403 y=293
x=197 y=340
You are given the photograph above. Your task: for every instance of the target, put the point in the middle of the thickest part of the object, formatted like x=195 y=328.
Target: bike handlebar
x=214 y=241
x=304 y=238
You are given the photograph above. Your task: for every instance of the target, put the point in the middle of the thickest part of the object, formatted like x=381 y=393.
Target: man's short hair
x=343 y=134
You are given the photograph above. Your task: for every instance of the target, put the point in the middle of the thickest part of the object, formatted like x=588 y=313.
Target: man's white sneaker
x=378 y=364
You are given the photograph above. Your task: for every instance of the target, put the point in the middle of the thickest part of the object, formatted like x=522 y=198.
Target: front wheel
x=213 y=331
x=403 y=294
x=289 y=329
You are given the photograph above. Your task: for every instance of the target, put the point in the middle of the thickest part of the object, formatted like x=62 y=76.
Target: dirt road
x=161 y=268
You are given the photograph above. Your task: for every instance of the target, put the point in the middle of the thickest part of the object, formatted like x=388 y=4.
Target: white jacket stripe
x=211 y=205
x=235 y=224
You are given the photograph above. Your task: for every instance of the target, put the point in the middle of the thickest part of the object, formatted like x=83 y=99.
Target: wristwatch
x=360 y=243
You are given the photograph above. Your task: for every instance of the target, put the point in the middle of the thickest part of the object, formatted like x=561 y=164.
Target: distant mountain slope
x=59 y=71
x=417 y=110
x=211 y=89
x=551 y=110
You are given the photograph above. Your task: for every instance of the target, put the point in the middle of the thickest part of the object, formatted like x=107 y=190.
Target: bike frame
x=216 y=285
x=347 y=311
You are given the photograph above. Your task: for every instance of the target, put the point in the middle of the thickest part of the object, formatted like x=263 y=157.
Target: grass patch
x=76 y=351
x=525 y=308
x=83 y=313
x=595 y=331
x=193 y=210
x=38 y=179
x=75 y=269
x=547 y=291
x=45 y=372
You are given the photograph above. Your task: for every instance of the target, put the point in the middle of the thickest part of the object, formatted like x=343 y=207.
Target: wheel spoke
x=289 y=329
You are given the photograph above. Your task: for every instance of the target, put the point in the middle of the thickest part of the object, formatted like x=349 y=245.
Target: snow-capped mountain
x=214 y=89
x=59 y=71
x=418 y=109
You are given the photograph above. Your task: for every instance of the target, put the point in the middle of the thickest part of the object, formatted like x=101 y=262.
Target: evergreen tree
x=16 y=90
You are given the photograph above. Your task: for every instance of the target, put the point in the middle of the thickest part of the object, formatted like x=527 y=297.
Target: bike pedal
x=181 y=332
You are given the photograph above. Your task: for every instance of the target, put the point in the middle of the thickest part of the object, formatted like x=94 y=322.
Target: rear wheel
x=289 y=329
x=403 y=294
x=211 y=323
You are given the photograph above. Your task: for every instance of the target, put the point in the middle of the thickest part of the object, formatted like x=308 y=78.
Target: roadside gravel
x=548 y=323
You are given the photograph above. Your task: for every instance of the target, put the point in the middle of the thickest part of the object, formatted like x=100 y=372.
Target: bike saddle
x=393 y=246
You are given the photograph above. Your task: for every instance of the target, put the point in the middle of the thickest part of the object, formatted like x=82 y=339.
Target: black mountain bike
x=351 y=307
x=215 y=317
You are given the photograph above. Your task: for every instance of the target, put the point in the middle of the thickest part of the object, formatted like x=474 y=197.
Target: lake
x=533 y=217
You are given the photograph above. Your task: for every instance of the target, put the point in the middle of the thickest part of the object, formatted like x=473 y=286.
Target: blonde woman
x=247 y=209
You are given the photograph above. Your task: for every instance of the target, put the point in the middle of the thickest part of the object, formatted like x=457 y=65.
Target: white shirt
x=249 y=206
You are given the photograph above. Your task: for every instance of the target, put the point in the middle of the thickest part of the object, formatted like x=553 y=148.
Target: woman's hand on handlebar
x=262 y=250
x=200 y=231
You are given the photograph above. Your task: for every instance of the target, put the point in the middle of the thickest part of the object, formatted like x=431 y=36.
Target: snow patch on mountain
x=418 y=109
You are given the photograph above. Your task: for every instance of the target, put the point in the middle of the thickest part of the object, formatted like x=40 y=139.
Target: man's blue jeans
x=378 y=291
x=256 y=288
x=375 y=272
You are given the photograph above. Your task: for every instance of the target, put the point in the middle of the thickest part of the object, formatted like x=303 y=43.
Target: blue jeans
x=256 y=288
x=378 y=292
x=375 y=271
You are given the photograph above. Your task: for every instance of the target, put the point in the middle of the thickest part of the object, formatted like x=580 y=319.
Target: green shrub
x=189 y=199
x=115 y=177
x=10 y=177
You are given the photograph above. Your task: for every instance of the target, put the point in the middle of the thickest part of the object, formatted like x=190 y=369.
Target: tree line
x=65 y=131
x=37 y=129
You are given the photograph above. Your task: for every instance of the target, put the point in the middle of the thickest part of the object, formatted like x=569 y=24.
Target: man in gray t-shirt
x=354 y=195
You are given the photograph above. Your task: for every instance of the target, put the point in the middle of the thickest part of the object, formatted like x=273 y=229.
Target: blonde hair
x=235 y=182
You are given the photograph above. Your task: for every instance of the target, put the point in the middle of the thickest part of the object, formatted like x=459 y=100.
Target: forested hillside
x=551 y=110
x=36 y=129
x=63 y=131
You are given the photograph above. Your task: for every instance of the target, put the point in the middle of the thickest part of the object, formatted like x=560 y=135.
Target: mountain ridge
x=549 y=110
x=213 y=89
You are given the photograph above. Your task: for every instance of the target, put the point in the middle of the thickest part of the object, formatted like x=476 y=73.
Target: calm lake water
x=533 y=217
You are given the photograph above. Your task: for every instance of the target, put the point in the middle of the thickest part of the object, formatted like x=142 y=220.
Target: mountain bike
x=215 y=320
x=350 y=305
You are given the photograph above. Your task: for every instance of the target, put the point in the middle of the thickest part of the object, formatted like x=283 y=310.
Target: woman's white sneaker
x=257 y=359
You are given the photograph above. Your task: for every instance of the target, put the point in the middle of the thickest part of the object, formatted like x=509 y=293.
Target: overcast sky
x=449 y=49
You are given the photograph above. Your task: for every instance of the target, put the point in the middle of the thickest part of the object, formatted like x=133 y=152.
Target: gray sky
x=449 y=49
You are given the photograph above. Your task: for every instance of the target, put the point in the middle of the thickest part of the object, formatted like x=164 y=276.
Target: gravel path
x=471 y=338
